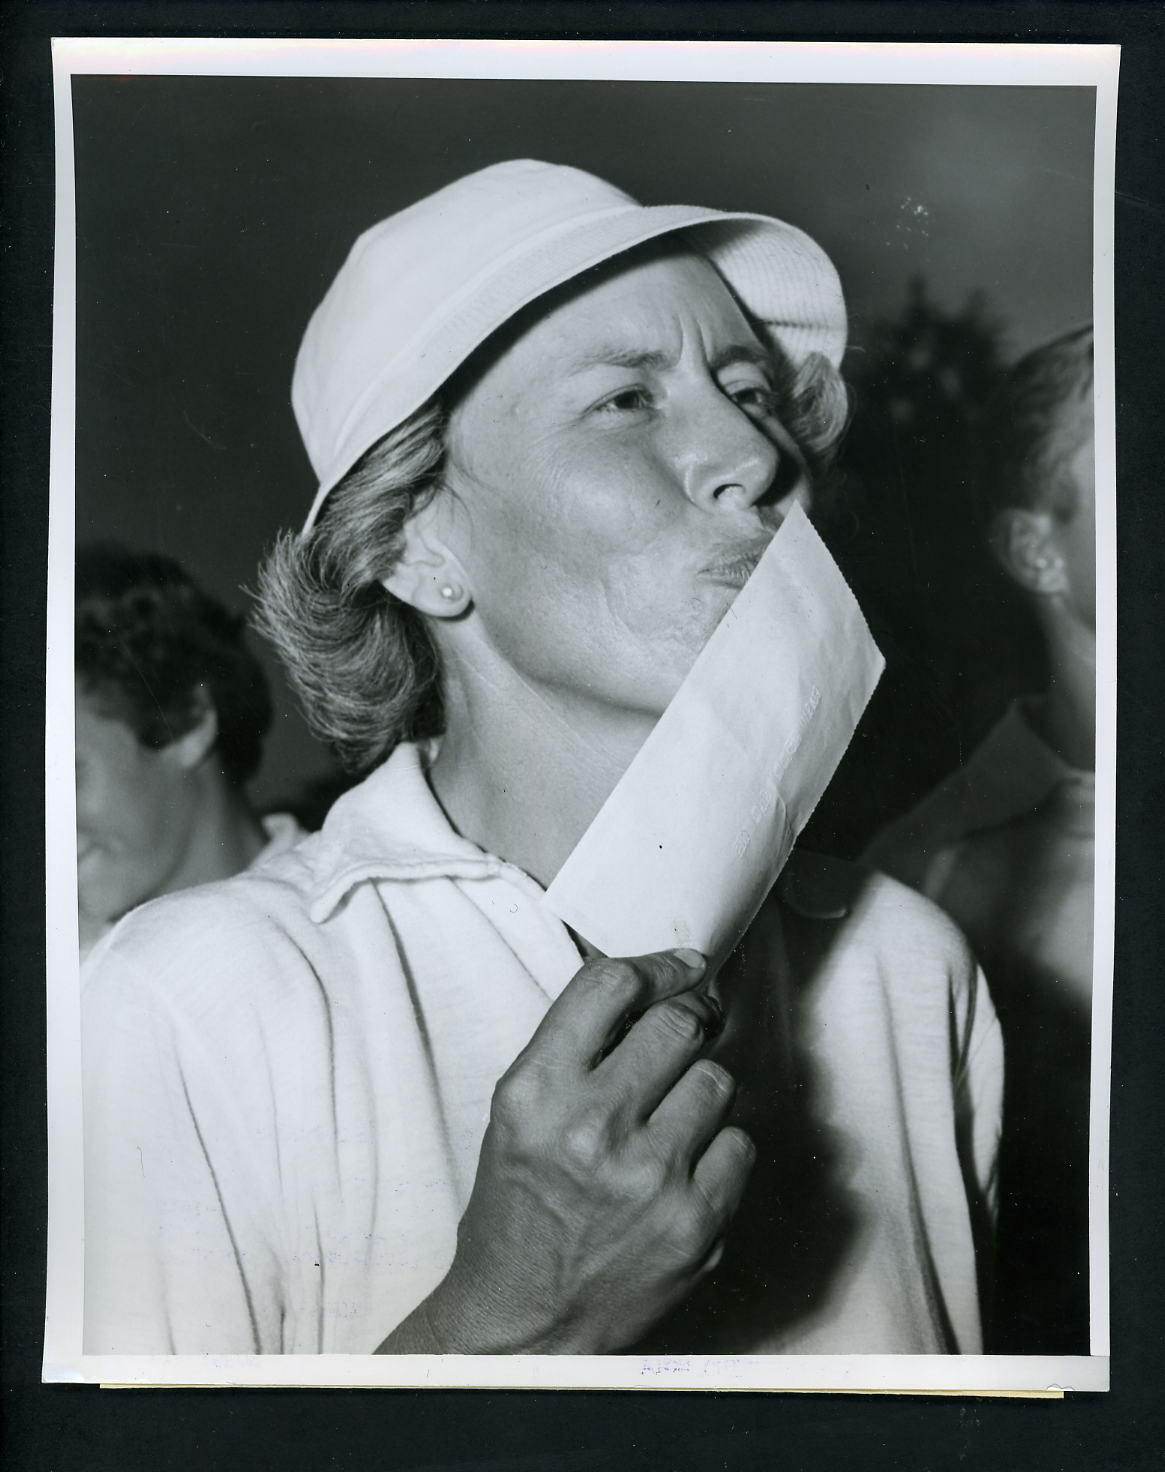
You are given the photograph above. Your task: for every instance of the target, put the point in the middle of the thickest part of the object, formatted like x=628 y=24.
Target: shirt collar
x=1014 y=770
x=390 y=827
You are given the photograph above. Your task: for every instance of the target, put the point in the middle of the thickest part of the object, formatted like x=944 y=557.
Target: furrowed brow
x=651 y=359
x=645 y=360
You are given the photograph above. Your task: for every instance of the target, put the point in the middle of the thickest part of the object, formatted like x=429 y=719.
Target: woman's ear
x=427 y=575
x=1025 y=546
x=191 y=749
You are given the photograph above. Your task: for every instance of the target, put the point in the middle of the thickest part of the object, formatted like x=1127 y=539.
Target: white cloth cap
x=424 y=288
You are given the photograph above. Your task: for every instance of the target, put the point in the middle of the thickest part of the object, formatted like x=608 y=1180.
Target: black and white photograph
x=582 y=612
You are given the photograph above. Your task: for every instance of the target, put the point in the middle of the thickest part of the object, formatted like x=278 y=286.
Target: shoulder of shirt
x=234 y=937
x=887 y=939
x=876 y=910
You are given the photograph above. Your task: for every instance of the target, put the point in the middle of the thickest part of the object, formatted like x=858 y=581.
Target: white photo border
x=737 y=62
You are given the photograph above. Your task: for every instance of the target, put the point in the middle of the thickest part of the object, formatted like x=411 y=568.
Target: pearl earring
x=448 y=591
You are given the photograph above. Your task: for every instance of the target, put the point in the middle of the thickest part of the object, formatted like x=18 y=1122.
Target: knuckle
x=696 y=1225
x=516 y=1096
x=584 y=1143
x=675 y=1019
x=703 y=1214
x=612 y=978
x=647 y=1178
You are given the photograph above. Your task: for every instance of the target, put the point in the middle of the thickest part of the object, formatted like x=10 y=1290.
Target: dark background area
x=52 y=1428
x=213 y=211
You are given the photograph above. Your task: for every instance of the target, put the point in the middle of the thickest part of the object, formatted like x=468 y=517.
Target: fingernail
x=716 y=1021
x=691 y=959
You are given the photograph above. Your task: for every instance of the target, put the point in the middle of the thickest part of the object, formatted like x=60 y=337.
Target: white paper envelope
x=697 y=830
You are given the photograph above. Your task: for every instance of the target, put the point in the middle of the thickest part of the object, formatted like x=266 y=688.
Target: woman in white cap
x=379 y=1097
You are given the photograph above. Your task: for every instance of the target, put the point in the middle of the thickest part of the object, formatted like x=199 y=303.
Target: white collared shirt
x=288 y=1076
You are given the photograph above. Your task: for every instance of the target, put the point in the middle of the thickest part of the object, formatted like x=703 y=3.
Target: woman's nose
x=727 y=460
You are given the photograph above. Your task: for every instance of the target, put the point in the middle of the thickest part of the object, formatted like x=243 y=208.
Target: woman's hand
x=606 y=1179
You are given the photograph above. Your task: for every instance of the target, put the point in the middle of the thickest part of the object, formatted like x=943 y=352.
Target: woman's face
x=616 y=473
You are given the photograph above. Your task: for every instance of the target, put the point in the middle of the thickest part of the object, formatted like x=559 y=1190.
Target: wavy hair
x=362 y=662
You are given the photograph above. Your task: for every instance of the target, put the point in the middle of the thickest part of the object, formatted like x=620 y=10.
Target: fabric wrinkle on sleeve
x=944 y=1003
x=978 y=1120
x=976 y=1061
x=979 y=1089
x=174 y=1260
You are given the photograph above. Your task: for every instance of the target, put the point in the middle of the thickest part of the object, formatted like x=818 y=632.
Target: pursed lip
x=737 y=566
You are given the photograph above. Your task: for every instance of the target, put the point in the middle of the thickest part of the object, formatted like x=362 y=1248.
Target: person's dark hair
x=362 y=662
x=152 y=650
x=1026 y=449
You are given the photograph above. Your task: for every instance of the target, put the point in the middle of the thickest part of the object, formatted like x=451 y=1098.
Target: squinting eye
x=627 y=400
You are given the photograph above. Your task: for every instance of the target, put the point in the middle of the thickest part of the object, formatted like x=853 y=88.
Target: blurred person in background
x=1005 y=844
x=171 y=711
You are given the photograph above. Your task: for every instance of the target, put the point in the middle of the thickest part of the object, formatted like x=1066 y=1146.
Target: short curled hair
x=363 y=663
x=152 y=650
x=1025 y=448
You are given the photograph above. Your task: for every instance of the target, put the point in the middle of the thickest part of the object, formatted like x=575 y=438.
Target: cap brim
x=489 y=300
